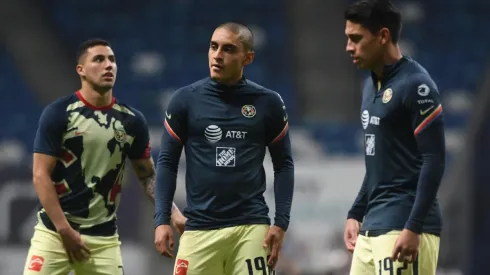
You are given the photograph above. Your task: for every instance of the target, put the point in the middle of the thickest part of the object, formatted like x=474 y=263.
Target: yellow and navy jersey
x=91 y=145
x=225 y=132
x=403 y=131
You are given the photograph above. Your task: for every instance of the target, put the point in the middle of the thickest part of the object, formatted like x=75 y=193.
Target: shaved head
x=243 y=32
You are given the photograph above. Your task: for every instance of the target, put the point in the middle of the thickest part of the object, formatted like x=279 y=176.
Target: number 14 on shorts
x=259 y=266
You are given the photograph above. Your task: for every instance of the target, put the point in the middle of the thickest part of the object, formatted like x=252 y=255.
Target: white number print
x=370 y=144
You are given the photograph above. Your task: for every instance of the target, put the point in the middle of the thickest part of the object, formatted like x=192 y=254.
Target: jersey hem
x=225 y=225
x=45 y=152
x=105 y=229
x=380 y=230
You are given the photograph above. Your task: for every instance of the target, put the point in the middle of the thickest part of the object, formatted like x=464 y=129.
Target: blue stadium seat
x=18 y=106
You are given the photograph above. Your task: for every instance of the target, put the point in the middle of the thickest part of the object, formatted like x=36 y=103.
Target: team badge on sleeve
x=423 y=90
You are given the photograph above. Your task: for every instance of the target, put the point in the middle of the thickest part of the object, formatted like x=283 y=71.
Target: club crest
x=387 y=95
x=120 y=135
x=248 y=111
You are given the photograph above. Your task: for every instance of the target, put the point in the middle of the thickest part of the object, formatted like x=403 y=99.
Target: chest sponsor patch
x=225 y=156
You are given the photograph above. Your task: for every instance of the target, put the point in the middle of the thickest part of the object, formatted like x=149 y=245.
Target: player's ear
x=249 y=58
x=384 y=35
x=80 y=70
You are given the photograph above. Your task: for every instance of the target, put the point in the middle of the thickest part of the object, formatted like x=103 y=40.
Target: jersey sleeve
x=277 y=124
x=423 y=102
x=424 y=106
x=173 y=138
x=176 y=116
x=141 y=145
x=282 y=160
x=359 y=206
x=51 y=126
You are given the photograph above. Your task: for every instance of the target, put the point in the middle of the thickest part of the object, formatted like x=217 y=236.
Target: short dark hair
x=244 y=34
x=82 y=49
x=375 y=15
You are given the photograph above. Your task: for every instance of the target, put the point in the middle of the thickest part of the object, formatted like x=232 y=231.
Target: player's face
x=364 y=47
x=99 y=68
x=227 y=56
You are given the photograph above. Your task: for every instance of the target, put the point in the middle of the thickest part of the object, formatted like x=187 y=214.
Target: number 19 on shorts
x=259 y=266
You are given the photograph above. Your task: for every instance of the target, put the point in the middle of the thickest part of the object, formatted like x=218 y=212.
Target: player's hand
x=406 y=247
x=178 y=222
x=352 y=228
x=273 y=241
x=74 y=246
x=164 y=240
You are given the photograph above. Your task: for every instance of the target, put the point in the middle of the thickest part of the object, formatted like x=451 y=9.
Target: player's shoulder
x=128 y=110
x=184 y=92
x=418 y=79
x=60 y=106
x=416 y=73
x=267 y=93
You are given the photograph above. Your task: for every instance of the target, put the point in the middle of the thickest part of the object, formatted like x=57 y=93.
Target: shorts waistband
x=106 y=229
x=374 y=233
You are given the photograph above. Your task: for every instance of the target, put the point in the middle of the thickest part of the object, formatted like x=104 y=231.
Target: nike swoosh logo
x=77 y=133
x=285 y=118
x=423 y=112
x=168 y=116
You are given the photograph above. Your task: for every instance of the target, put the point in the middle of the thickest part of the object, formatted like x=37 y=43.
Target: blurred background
x=162 y=45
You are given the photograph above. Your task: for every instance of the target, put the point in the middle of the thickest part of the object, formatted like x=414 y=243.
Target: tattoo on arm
x=149 y=185
x=147 y=177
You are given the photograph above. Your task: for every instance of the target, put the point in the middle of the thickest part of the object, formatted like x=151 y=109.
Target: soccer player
x=401 y=115
x=225 y=123
x=80 y=149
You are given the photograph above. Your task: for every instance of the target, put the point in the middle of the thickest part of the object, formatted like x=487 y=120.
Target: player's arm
x=173 y=138
x=146 y=173
x=279 y=145
x=142 y=162
x=47 y=144
x=423 y=102
x=358 y=209
x=140 y=156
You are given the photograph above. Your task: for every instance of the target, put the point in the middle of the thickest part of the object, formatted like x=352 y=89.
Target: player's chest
x=217 y=120
x=99 y=129
x=379 y=109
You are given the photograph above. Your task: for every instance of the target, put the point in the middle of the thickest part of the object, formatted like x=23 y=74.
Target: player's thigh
x=426 y=262
x=362 y=258
x=428 y=254
x=105 y=257
x=383 y=249
x=247 y=256
x=201 y=252
x=46 y=255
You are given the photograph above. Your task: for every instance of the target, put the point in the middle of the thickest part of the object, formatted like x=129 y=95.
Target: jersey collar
x=389 y=70
x=86 y=103
x=220 y=88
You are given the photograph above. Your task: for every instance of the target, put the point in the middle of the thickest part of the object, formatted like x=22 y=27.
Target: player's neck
x=232 y=81
x=390 y=57
x=96 y=98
